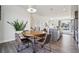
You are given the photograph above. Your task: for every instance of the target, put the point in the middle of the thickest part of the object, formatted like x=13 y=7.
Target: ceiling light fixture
x=32 y=10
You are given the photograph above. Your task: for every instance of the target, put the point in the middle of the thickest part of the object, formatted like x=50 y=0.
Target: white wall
x=10 y=13
x=56 y=11
x=1 y=29
x=44 y=14
x=41 y=20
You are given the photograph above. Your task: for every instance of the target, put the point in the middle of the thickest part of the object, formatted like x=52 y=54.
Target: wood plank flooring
x=8 y=47
x=65 y=45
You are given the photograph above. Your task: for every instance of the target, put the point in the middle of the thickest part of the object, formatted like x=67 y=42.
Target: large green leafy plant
x=18 y=25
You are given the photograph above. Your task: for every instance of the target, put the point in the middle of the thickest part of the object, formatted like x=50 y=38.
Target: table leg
x=34 y=45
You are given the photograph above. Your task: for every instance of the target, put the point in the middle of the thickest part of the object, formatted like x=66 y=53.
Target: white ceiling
x=52 y=10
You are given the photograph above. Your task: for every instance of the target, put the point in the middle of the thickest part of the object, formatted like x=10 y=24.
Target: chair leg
x=18 y=50
x=44 y=49
x=42 y=46
x=27 y=45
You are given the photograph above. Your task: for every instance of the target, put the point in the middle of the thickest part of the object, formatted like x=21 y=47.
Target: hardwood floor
x=8 y=47
x=65 y=45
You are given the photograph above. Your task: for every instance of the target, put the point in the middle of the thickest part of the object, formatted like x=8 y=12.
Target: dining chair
x=45 y=41
x=55 y=34
x=21 y=42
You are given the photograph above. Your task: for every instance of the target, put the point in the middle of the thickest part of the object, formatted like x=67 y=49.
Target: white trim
x=6 y=41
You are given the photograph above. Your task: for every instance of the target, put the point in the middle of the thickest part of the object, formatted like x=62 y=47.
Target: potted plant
x=18 y=25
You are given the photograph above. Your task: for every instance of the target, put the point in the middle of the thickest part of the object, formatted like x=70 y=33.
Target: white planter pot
x=18 y=32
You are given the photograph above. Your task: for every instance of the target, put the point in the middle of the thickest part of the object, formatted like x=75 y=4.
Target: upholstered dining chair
x=21 y=42
x=45 y=41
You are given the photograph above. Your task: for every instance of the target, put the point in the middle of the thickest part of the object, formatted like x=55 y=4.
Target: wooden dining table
x=34 y=35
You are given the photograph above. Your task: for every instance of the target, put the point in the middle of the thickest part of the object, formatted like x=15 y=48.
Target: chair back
x=47 y=39
x=18 y=39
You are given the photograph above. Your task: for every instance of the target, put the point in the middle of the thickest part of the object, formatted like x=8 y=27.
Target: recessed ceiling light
x=64 y=9
x=51 y=18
